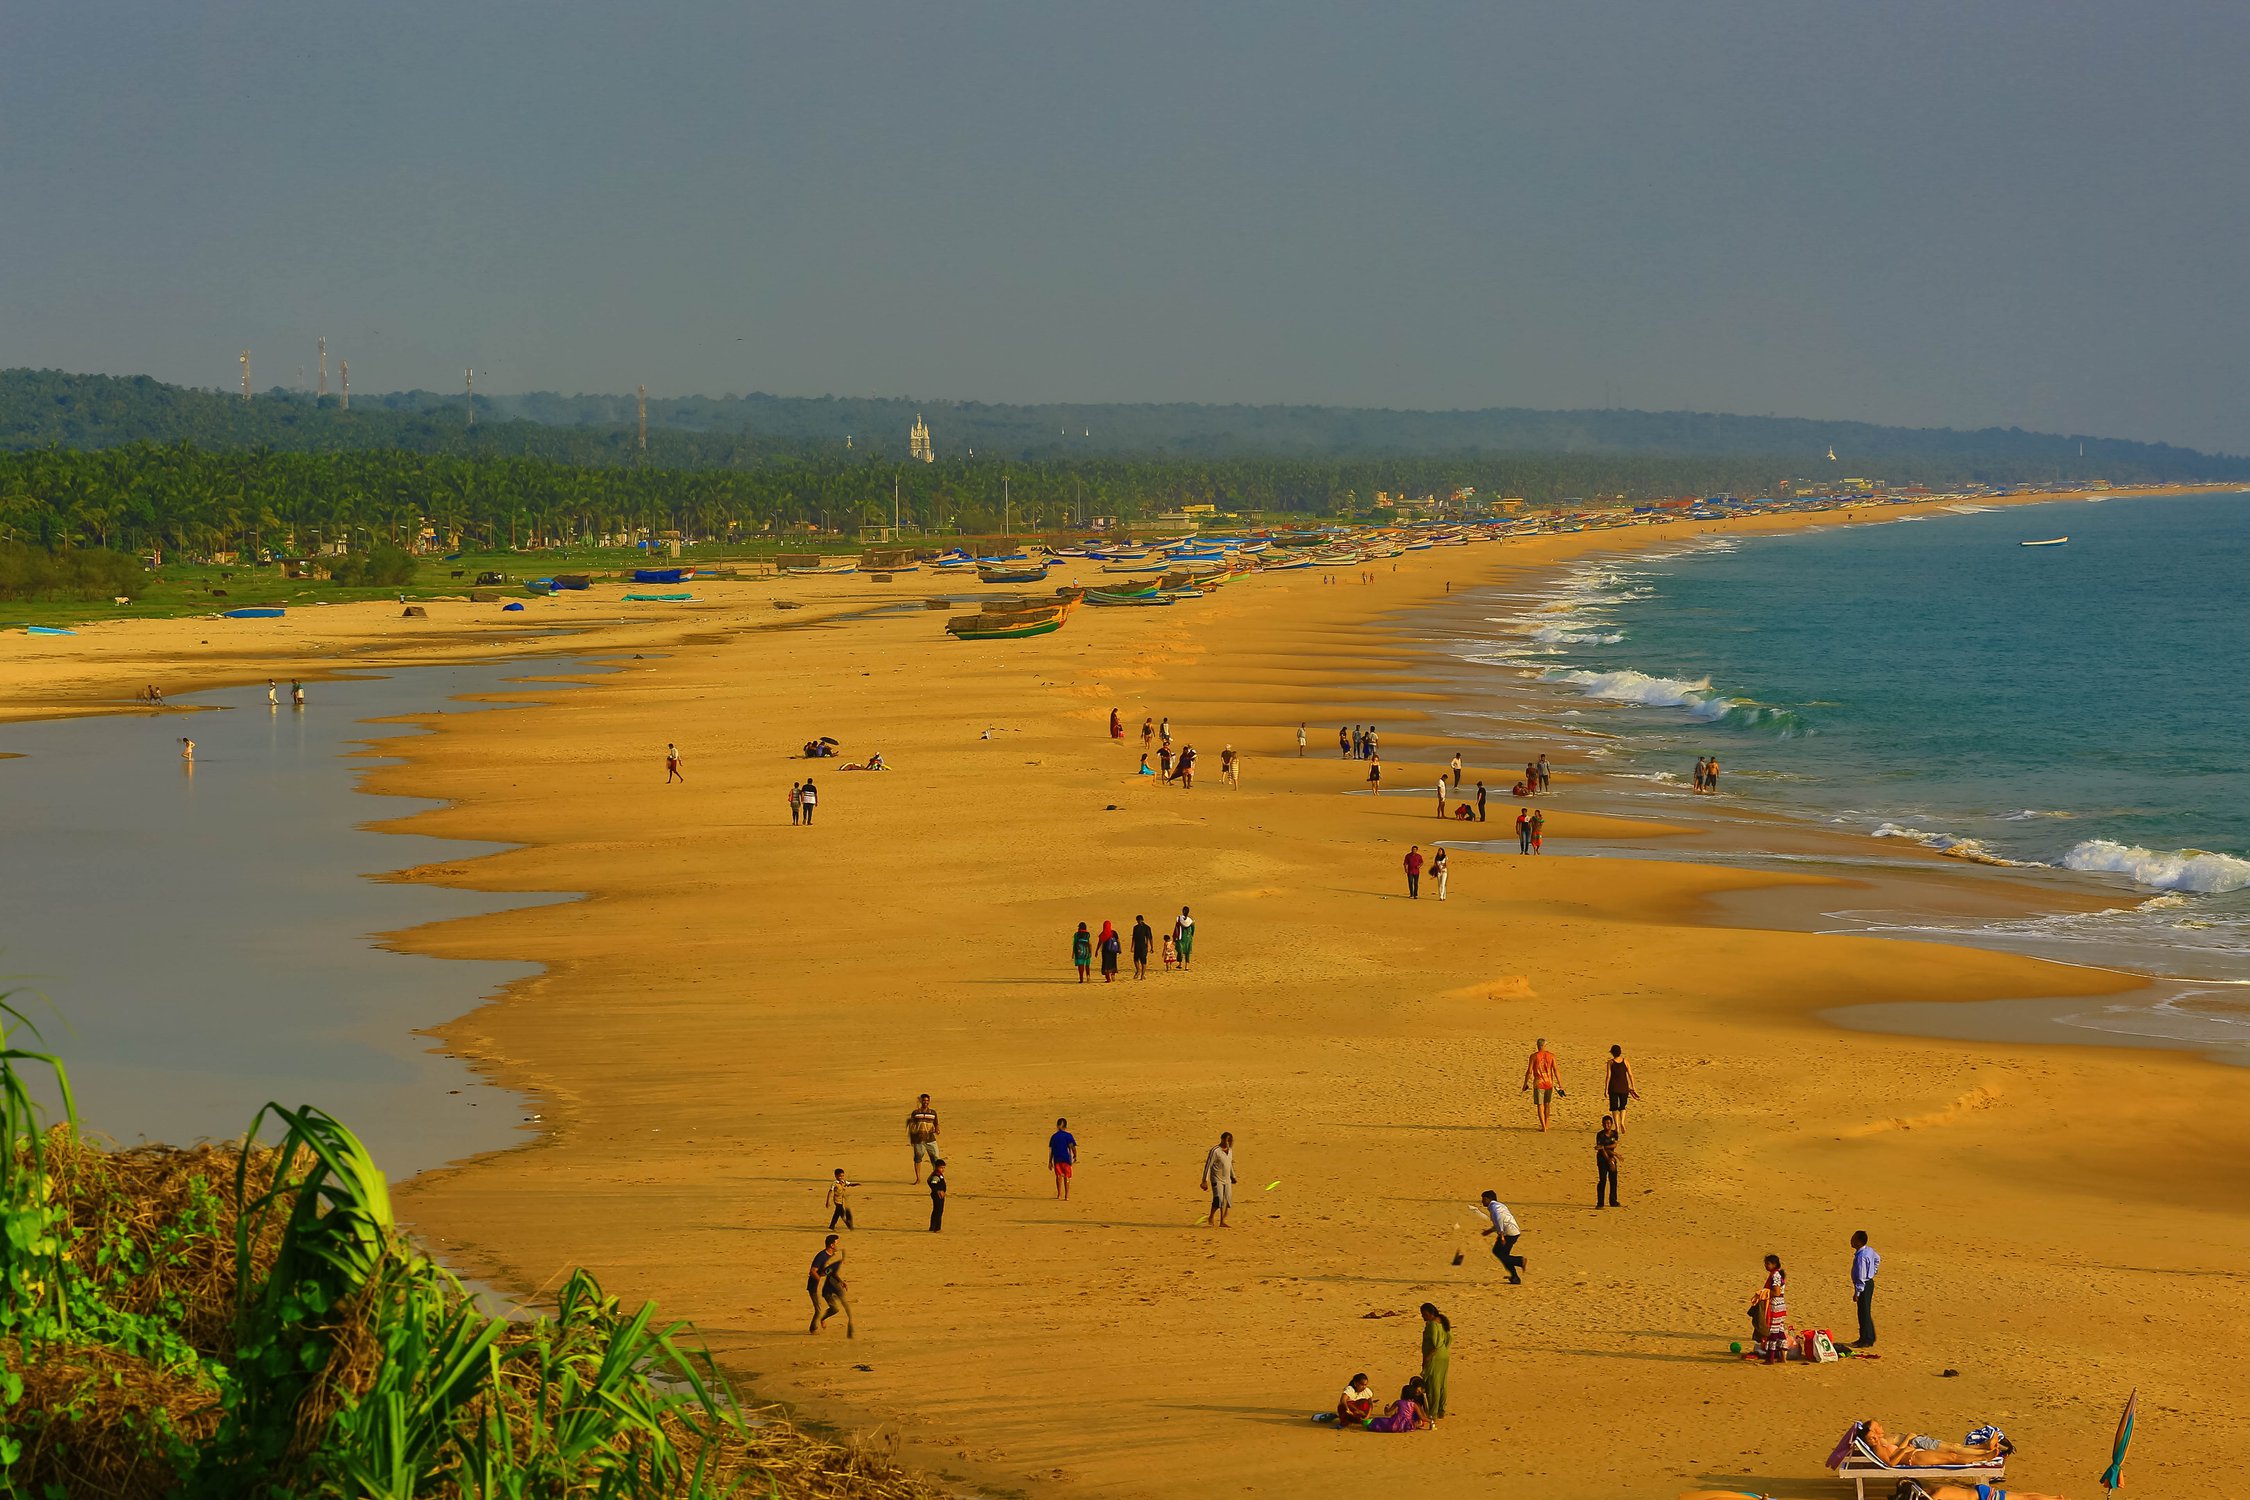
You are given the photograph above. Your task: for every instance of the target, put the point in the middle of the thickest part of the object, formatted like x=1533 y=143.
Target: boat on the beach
x=802 y=572
x=661 y=575
x=253 y=613
x=656 y=598
x=991 y=573
x=1007 y=625
x=1102 y=598
x=2053 y=541
x=46 y=630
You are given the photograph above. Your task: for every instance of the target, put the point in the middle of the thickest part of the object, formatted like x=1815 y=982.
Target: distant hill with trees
x=42 y=408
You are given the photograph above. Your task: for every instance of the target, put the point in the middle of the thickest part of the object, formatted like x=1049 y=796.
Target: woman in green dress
x=1437 y=1352
x=1082 y=951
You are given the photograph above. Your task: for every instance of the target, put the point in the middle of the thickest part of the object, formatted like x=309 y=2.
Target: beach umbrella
x=828 y=739
x=2114 y=1475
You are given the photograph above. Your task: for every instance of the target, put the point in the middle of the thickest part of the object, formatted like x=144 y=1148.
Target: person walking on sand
x=1300 y=741
x=1437 y=1353
x=1171 y=956
x=1164 y=761
x=808 y=798
x=1620 y=1085
x=1542 y=1079
x=1164 y=730
x=1218 y=1179
x=839 y=1204
x=1605 y=1162
x=1413 y=863
x=1185 y=771
x=937 y=1195
x=1108 y=945
x=1374 y=743
x=824 y=1284
x=1441 y=794
x=1865 y=1263
x=1144 y=938
x=1505 y=1232
x=1183 y=937
x=922 y=1134
x=1062 y=1157
x=672 y=765
x=1374 y=776
x=1438 y=863
x=1546 y=775
x=1082 y=951
x=1480 y=802
x=1148 y=735
x=1770 y=1310
x=796 y=809
x=1456 y=768
x=1116 y=725
x=1523 y=831
x=1538 y=828
x=1343 y=742
x=1227 y=762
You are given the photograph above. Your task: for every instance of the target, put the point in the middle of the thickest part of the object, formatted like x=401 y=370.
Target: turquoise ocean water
x=2079 y=706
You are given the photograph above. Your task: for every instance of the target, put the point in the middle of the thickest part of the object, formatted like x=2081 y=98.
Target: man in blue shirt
x=1062 y=1155
x=1865 y=1262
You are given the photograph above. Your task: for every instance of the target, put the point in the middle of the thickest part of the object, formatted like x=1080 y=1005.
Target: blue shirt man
x=1062 y=1155
x=1865 y=1263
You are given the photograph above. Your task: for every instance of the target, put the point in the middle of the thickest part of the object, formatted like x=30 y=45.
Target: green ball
x=1735 y=1347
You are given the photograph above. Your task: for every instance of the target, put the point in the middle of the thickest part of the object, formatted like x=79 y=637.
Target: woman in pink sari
x=1406 y=1414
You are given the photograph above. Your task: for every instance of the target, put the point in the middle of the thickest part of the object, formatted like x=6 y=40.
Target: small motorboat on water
x=2053 y=541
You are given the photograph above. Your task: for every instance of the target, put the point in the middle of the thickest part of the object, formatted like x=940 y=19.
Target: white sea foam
x=1629 y=686
x=2031 y=813
x=2161 y=869
x=1574 y=634
x=1951 y=845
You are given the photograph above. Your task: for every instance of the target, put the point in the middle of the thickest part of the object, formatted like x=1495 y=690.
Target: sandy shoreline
x=740 y=1005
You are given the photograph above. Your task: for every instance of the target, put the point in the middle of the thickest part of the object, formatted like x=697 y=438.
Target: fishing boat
x=1010 y=573
x=257 y=613
x=661 y=575
x=1102 y=599
x=1007 y=625
x=819 y=572
x=656 y=598
x=1120 y=596
x=46 y=630
x=2053 y=541
x=1286 y=564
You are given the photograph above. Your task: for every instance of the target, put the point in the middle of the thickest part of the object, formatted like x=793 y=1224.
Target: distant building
x=918 y=441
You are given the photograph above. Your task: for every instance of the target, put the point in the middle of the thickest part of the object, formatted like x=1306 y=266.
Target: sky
x=2032 y=214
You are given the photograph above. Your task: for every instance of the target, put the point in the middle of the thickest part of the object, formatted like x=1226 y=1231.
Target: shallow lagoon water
x=198 y=942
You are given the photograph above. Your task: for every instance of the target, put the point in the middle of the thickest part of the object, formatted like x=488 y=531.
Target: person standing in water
x=297 y=694
x=672 y=765
x=1441 y=794
x=1699 y=775
x=1218 y=1179
x=187 y=750
x=1711 y=775
x=1546 y=775
x=1144 y=938
x=1542 y=1079
x=1480 y=802
x=273 y=694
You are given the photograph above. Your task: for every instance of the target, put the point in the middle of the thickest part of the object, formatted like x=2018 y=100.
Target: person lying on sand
x=1918 y=1451
x=1909 y=1490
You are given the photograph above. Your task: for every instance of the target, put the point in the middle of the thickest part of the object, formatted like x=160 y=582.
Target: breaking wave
x=2196 y=870
x=1694 y=698
x=1952 y=846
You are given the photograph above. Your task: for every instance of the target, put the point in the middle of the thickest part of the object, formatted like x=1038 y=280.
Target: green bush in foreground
x=385 y=566
x=28 y=572
x=249 y=1322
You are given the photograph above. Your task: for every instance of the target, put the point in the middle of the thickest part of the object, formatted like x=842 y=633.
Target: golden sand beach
x=739 y=1005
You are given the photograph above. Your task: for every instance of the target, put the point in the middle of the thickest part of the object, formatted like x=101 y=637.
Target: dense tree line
x=39 y=408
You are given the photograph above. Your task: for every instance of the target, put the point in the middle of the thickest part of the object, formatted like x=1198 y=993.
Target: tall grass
x=179 y=1324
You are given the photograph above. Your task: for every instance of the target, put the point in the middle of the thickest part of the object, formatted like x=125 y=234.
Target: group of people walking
x=1108 y=946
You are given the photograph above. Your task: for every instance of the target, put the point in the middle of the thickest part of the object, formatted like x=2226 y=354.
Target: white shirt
x=1502 y=1220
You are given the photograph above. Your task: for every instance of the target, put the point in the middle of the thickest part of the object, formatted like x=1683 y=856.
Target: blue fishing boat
x=46 y=630
x=258 y=613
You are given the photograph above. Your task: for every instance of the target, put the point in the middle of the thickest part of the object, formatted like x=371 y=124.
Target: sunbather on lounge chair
x=1909 y=1490
x=1920 y=1452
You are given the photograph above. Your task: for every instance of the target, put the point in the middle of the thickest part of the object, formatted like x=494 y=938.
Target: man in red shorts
x=1062 y=1155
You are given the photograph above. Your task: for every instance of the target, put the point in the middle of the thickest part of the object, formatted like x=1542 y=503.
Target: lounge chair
x=1856 y=1461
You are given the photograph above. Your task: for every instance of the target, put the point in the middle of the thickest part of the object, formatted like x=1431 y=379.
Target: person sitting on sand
x=1145 y=770
x=1357 y=1403
x=1919 y=1451
x=1405 y=1414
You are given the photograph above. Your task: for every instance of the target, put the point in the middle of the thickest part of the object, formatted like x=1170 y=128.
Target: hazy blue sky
x=1996 y=213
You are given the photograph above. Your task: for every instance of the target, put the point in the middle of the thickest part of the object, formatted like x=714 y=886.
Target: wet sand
x=741 y=1005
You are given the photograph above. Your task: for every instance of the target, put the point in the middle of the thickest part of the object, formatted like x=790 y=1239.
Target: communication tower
x=644 y=418
x=246 y=377
x=344 y=374
x=322 y=392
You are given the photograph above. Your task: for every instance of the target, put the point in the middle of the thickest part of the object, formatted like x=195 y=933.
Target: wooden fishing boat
x=989 y=573
x=1099 y=597
x=1008 y=625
